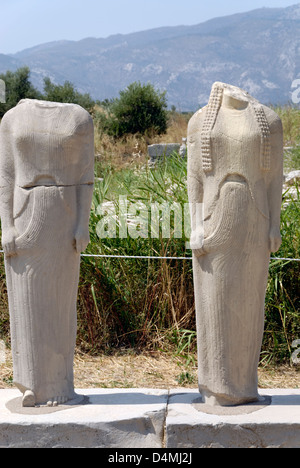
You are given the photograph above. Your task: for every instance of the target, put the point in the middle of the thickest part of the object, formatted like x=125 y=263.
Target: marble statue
x=46 y=186
x=235 y=176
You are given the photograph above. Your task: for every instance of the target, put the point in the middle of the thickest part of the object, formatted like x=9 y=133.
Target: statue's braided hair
x=212 y=109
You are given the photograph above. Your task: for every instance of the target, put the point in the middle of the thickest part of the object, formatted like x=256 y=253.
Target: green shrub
x=66 y=93
x=17 y=87
x=139 y=109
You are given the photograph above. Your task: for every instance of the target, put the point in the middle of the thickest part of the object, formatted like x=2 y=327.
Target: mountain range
x=258 y=51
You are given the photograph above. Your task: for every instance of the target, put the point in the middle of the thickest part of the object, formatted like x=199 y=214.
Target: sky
x=27 y=23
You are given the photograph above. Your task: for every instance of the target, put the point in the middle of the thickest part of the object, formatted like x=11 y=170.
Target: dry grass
x=150 y=370
x=290 y=117
x=133 y=149
x=163 y=371
x=120 y=153
x=128 y=370
x=177 y=129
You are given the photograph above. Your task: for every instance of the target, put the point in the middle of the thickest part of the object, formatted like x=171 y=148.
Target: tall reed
x=134 y=302
x=282 y=326
x=149 y=303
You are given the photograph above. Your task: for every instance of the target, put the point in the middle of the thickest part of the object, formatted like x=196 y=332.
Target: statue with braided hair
x=235 y=175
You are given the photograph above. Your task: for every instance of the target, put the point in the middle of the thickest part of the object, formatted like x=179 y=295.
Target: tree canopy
x=18 y=86
x=66 y=93
x=139 y=109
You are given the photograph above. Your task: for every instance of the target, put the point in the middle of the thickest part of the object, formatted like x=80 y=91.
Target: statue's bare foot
x=60 y=400
x=28 y=400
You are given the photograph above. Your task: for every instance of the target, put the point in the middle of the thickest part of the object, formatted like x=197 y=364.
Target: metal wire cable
x=169 y=258
x=156 y=257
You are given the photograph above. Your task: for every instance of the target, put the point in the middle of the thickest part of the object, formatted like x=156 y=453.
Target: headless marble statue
x=46 y=186
x=235 y=175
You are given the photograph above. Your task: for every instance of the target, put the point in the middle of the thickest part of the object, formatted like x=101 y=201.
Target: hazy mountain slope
x=258 y=51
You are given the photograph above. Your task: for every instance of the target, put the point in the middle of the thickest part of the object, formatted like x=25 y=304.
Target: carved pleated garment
x=42 y=285
x=231 y=278
x=50 y=147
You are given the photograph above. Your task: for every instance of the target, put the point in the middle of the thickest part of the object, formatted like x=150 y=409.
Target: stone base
x=146 y=418
x=108 y=418
x=273 y=422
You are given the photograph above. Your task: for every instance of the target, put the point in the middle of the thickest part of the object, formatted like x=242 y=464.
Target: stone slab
x=157 y=151
x=150 y=418
x=107 y=418
x=274 y=423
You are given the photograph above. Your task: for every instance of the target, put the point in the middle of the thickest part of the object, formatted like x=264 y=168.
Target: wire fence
x=170 y=258
x=156 y=257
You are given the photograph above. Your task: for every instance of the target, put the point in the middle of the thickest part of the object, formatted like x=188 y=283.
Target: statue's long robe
x=46 y=154
x=230 y=278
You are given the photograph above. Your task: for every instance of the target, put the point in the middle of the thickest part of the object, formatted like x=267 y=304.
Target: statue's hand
x=274 y=239
x=196 y=243
x=9 y=236
x=81 y=240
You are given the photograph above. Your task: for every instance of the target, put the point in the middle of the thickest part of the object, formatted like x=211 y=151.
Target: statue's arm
x=84 y=193
x=7 y=183
x=231 y=215
x=195 y=180
x=84 y=201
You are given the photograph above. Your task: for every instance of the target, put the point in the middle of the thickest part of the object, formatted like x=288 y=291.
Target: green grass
x=292 y=160
x=150 y=303
x=282 y=297
x=133 y=302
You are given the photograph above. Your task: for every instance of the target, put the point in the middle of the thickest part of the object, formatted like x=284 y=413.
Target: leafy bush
x=66 y=93
x=139 y=109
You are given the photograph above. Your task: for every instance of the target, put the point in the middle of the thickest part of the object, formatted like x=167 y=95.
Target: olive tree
x=139 y=109
x=17 y=86
x=66 y=93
